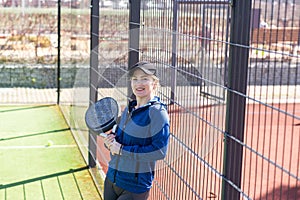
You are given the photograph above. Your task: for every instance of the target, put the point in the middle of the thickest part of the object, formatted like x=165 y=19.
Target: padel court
x=39 y=157
x=229 y=74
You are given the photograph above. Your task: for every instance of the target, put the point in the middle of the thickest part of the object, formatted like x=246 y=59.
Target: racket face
x=102 y=115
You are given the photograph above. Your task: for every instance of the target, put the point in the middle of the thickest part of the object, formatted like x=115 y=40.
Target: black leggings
x=113 y=192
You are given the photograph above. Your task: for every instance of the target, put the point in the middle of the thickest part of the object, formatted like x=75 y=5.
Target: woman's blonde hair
x=156 y=80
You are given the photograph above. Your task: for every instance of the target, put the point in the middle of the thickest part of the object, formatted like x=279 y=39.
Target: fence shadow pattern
x=232 y=92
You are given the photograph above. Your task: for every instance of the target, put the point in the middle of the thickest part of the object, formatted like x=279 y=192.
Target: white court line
x=38 y=147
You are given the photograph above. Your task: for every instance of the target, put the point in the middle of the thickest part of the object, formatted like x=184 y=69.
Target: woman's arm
x=155 y=151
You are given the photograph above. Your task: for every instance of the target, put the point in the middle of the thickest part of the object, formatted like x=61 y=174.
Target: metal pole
x=134 y=36
x=174 y=51
x=93 y=76
x=58 y=49
x=236 y=103
x=226 y=47
x=134 y=32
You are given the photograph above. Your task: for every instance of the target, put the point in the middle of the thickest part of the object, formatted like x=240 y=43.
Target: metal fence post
x=134 y=35
x=58 y=49
x=174 y=50
x=134 y=32
x=93 y=76
x=236 y=102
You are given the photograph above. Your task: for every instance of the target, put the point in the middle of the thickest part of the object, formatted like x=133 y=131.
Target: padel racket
x=101 y=116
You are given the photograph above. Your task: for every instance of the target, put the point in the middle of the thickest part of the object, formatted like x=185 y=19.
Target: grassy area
x=39 y=157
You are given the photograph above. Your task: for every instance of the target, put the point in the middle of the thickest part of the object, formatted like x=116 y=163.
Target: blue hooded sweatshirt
x=144 y=134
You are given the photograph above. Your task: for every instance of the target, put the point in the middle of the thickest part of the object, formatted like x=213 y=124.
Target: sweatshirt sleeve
x=159 y=136
x=155 y=151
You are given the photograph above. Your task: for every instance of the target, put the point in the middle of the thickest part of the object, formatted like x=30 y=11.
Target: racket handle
x=114 y=128
x=104 y=135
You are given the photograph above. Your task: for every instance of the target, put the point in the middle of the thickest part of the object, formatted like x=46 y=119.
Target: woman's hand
x=116 y=148
x=108 y=141
x=112 y=144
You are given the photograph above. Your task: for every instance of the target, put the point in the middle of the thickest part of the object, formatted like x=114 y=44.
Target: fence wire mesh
x=190 y=43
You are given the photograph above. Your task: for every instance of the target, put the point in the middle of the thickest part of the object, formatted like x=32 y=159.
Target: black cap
x=146 y=67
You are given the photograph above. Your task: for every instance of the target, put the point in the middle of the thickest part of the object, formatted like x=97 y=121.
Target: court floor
x=39 y=157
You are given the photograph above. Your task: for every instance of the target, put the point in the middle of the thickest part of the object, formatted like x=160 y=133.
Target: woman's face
x=143 y=85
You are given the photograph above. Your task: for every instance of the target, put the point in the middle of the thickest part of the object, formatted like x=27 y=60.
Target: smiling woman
x=141 y=138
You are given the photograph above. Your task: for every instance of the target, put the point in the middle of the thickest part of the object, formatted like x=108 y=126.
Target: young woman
x=141 y=139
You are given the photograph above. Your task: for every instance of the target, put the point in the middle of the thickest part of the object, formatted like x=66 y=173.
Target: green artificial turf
x=39 y=157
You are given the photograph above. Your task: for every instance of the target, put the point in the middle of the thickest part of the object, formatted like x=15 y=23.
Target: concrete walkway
x=265 y=94
x=32 y=96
